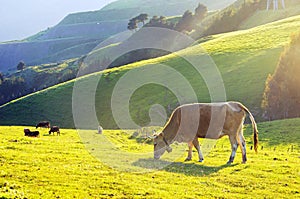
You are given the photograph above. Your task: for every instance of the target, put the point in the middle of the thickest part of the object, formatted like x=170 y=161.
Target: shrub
x=282 y=95
x=21 y=65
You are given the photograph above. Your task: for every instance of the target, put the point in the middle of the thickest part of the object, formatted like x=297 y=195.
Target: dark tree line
x=12 y=88
x=186 y=23
x=232 y=18
x=282 y=94
x=133 y=23
x=160 y=22
x=189 y=21
x=16 y=85
x=1 y=77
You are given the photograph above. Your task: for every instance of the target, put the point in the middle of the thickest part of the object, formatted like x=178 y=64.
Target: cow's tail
x=254 y=126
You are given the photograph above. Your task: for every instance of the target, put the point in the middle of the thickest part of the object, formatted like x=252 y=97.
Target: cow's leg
x=242 y=144
x=234 y=145
x=190 y=145
x=197 y=146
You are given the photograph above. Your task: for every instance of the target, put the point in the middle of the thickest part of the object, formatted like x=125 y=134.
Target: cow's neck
x=169 y=134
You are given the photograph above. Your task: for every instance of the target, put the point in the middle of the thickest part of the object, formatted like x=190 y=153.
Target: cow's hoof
x=201 y=160
x=188 y=159
x=244 y=162
x=229 y=162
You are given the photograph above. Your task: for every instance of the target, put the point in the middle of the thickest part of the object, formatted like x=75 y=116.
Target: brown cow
x=205 y=120
x=54 y=129
x=44 y=124
x=31 y=133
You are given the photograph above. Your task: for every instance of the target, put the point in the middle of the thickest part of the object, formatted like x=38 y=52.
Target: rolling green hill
x=62 y=167
x=127 y=4
x=263 y=17
x=244 y=59
x=83 y=31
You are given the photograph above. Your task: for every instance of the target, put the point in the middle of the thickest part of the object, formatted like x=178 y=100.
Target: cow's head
x=160 y=145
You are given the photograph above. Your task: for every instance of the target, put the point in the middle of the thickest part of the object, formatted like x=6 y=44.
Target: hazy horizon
x=21 y=19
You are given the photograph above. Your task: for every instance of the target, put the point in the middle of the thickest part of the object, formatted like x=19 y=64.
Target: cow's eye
x=155 y=144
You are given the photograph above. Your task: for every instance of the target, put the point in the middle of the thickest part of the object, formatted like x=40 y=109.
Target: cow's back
x=194 y=120
x=203 y=120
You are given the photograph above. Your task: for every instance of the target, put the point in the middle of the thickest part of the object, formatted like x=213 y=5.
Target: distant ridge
x=125 y=4
x=89 y=28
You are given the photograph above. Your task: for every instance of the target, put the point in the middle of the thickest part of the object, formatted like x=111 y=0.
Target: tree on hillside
x=1 y=77
x=160 y=22
x=189 y=21
x=142 y=18
x=282 y=95
x=200 y=12
x=231 y=18
x=153 y=21
x=132 y=25
x=186 y=22
x=12 y=88
x=21 y=65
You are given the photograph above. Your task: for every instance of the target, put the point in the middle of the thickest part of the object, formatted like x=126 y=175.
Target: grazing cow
x=31 y=133
x=54 y=129
x=44 y=124
x=205 y=120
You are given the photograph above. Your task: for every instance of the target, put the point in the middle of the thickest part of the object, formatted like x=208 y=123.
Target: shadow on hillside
x=187 y=168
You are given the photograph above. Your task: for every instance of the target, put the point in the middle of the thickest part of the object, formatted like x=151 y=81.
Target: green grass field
x=120 y=164
x=62 y=167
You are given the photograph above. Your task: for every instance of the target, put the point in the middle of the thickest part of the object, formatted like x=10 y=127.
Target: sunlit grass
x=263 y=17
x=62 y=166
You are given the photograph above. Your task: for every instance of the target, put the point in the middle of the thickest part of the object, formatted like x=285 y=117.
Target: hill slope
x=126 y=4
x=244 y=59
x=83 y=31
x=61 y=167
x=263 y=17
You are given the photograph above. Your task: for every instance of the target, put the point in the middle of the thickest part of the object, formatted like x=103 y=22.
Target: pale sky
x=22 y=18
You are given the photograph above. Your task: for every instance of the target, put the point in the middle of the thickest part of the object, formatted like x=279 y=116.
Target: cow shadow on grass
x=187 y=168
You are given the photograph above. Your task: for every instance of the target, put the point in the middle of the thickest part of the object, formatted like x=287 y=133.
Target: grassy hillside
x=127 y=4
x=42 y=52
x=61 y=167
x=263 y=17
x=120 y=10
x=244 y=58
x=35 y=78
x=83 y=31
